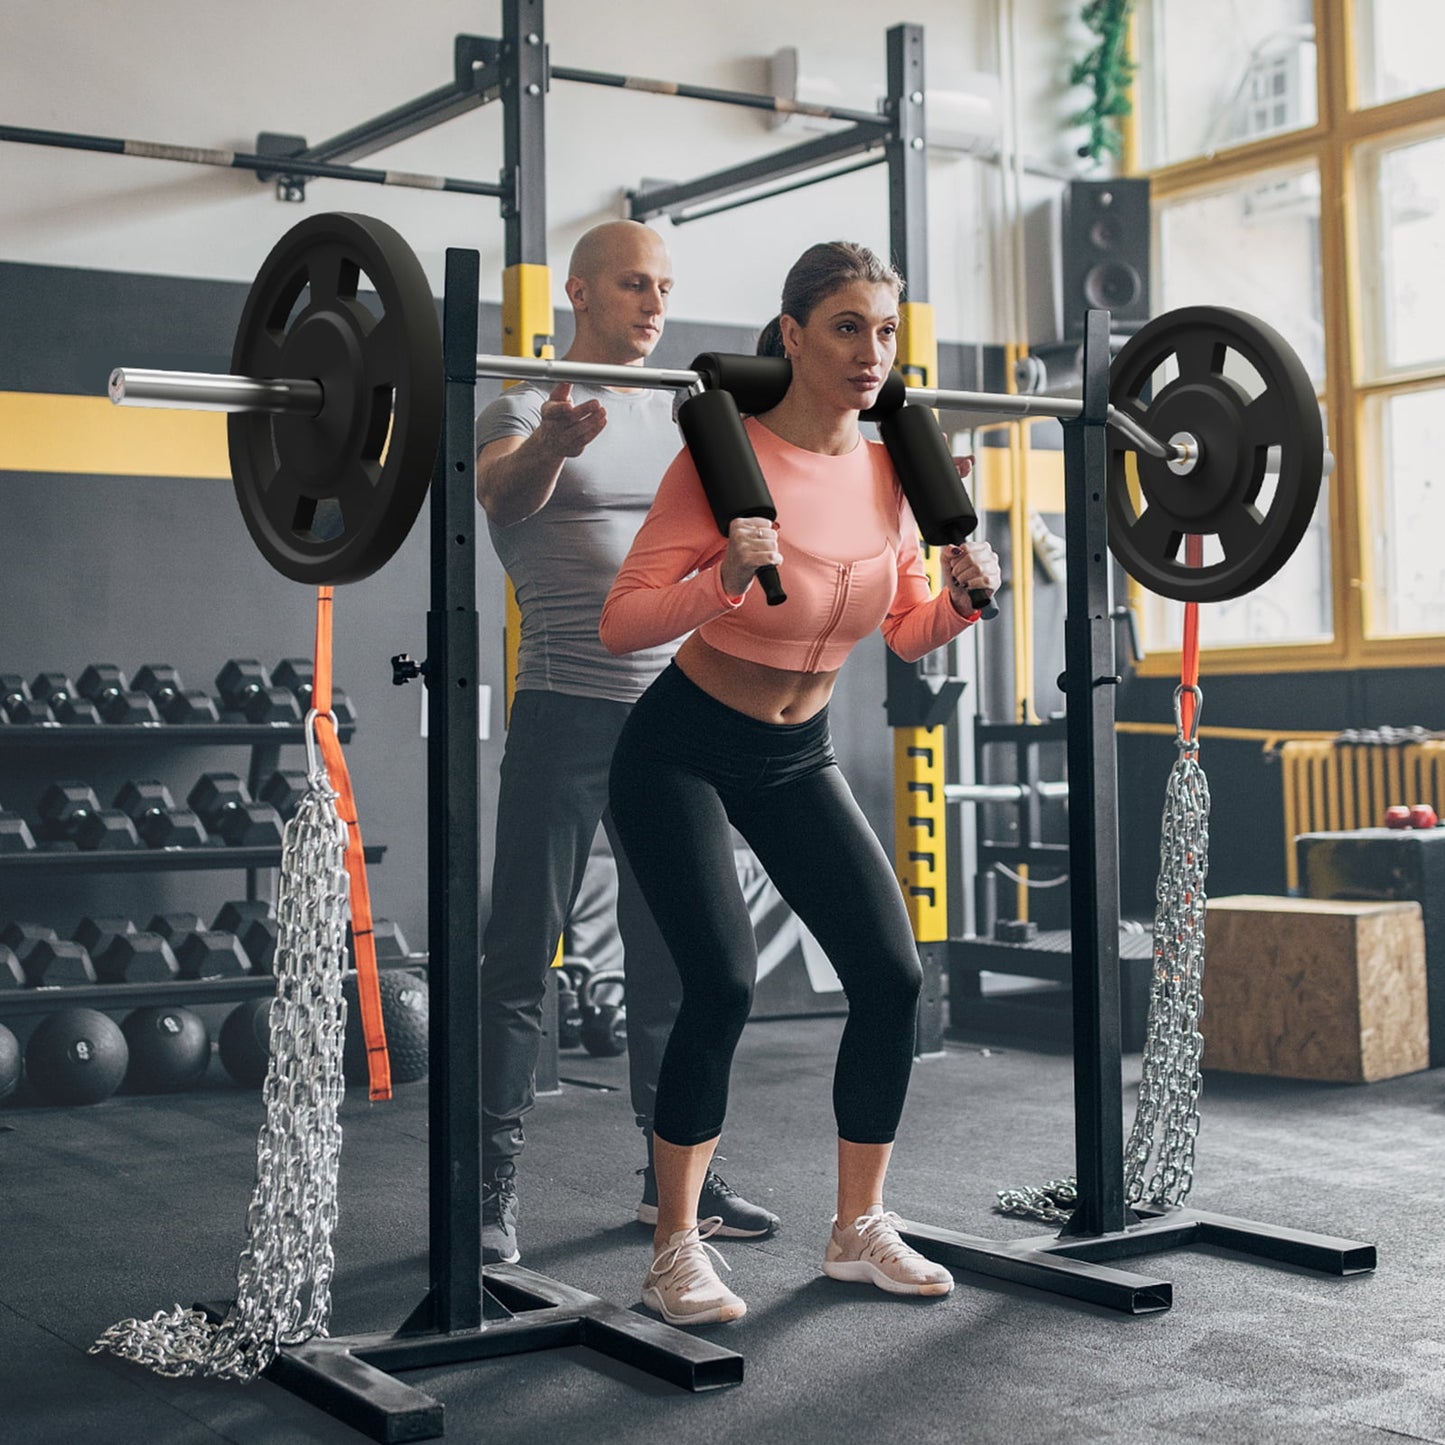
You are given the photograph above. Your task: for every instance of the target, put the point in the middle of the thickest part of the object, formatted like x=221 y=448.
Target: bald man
x=565 y=478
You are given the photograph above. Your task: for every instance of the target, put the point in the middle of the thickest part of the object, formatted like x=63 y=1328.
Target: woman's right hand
x=752 y=543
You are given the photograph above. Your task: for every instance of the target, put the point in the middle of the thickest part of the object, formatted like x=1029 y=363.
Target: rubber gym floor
x=136 y=1204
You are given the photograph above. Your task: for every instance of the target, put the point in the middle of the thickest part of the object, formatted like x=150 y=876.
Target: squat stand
x=468 y=1313
x=1103 y=1227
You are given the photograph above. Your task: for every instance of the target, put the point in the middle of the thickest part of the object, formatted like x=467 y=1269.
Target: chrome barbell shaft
x=205 y=391
x=211 y=391
x=1003 y=792
x=589 y=373
x=993 y=406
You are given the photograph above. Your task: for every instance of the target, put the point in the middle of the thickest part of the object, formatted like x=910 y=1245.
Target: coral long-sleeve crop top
x=850 y=564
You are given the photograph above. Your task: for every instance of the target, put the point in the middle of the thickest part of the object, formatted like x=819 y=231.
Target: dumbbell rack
x=265 y=741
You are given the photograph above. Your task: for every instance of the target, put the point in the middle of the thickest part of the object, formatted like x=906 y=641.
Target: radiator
x=1340 y=784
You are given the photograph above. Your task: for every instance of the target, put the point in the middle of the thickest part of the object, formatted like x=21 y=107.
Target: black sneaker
x=740 y=1218
x=499 y=1217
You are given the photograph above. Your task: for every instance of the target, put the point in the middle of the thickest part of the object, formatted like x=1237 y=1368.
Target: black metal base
x=352 y=1379
x=1069 y=1264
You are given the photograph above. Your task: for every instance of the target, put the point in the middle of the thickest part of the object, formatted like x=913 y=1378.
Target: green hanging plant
x=1108 y=72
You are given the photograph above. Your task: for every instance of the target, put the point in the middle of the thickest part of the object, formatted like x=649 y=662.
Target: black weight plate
x=328 y=499
x=1223 y=496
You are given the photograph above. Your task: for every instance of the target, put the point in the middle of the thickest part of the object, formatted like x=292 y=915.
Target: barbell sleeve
x=210 y=391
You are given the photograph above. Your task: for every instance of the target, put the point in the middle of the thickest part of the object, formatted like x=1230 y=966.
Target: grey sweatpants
x=553 y=794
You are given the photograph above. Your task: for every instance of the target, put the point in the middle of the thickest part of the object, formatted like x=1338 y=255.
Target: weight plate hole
x=318 y=519
x=1241 y=371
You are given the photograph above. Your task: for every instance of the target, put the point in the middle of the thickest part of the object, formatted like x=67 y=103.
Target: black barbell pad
x=728 y=467
x=758 y=383
x=930 y=481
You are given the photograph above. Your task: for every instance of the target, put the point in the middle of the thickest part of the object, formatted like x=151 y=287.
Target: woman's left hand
x=970 y=567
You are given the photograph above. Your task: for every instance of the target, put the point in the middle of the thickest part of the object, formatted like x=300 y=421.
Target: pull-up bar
x=245 y=161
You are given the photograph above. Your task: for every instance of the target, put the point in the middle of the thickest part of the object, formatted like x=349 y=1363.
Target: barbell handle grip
x=983 y=603
x=771 y=584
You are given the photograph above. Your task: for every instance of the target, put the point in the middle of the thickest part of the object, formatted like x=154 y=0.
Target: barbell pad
x=759 y=383
x=727 y=466
x=930 y=481
x=755 y=383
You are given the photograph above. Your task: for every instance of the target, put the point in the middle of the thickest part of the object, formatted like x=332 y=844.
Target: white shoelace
x=880 y=1236
x=693 y=1248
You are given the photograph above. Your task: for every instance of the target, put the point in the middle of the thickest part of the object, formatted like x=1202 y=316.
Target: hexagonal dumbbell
x=15 y=834
x=63 y=806
x=212 y=953
x=201 y=952
x=160 y=682
x=253 y=921
x=95 y=932
x=284 y=790
x=159 y=822
x=246 y=689
x=70 y=814
x=297 y=676
x=48 y=961
x=17 y=702
x=139 y=957
x=225 y=808
x=116 y=701
x=12 y=975
x=66 y=705
x=52 y=688
x=175 y=702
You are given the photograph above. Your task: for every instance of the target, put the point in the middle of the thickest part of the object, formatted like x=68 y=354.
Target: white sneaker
x=870 y=1250
x=682 y=1285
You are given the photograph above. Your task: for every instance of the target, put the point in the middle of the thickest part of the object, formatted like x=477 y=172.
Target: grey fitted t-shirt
x=563 y=558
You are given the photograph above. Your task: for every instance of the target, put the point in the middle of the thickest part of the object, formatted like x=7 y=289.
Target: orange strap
x=368 y=984
x=1189 y=655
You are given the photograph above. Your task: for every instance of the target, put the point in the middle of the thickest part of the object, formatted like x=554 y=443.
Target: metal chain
x=1166 y=1120
x=283 y=1277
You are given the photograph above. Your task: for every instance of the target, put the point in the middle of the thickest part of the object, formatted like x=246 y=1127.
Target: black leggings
x=685 y=767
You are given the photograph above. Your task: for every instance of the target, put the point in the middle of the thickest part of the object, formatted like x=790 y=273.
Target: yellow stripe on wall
x=85 y=435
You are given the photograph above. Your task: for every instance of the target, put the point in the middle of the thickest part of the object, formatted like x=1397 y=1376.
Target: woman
x=735 y=732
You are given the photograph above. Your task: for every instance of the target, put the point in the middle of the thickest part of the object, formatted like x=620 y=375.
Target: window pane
x=1224 y=73
x=1403 y=224
x=1405 y=441
x=1254 y=247
x=1401 y=48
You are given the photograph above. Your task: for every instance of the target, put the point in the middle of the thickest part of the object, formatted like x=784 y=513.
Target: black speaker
x=1104 y=254
x=1386 y=864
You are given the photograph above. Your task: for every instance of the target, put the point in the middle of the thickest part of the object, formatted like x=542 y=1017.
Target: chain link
x=1166 y=1120
x=283 y=1277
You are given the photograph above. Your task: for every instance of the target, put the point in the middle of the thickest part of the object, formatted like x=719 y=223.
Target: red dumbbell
x=1397 y=816
x=1422 y=815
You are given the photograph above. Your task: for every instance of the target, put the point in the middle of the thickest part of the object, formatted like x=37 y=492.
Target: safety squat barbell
x=336 y=414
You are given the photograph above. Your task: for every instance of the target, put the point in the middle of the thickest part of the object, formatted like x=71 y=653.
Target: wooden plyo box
x=1311 y=988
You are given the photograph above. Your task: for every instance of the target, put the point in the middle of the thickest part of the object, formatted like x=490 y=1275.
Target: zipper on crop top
x=840 y=598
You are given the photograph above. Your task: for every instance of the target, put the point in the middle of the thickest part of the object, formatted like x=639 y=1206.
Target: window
x=1296 y=150
x=1400 y=45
